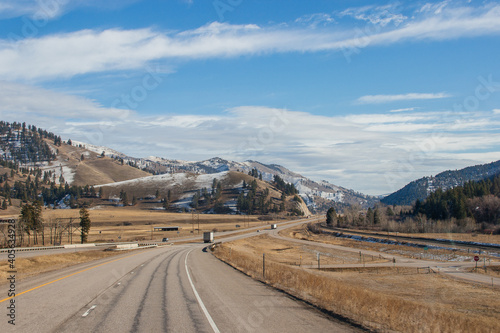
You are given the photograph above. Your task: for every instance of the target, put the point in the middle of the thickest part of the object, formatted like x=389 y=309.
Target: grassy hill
x=93 y=169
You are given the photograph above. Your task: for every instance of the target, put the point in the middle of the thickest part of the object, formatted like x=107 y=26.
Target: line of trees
x=287 y=188
x=478 y=200
x=41 y=186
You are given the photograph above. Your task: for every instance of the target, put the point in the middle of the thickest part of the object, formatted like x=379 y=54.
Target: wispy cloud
x=29 y=100
x=91 y=51
x=379 y=15
x=351 y=151
x=316 y=20
x=403 y=110
x=51 y=9
x=377 y=99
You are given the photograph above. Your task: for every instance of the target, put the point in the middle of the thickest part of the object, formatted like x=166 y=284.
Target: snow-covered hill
x=315 y=194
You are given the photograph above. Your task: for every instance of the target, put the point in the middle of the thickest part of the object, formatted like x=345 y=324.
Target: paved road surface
x=197 y=238
x=151 y=291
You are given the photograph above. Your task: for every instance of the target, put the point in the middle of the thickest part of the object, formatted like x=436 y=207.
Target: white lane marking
x=205 y=311
x=88 y=311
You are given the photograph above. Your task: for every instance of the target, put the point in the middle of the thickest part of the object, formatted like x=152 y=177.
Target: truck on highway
x=208 y=237
x=273 y=226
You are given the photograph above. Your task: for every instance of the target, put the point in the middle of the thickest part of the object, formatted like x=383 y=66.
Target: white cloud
x=377 y=99
x=379 y=15
x=91 y=51
x=315 y=20
x=33 y=8
x=403 y=110
x=44 y=10
x=25 y=100
x=360 y=152
x=435 y=8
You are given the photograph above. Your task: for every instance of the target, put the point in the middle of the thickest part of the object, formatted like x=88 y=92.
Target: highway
x=177 y=288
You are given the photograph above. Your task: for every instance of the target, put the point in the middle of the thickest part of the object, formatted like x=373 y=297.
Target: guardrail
x=67 y=246
x=38 y=248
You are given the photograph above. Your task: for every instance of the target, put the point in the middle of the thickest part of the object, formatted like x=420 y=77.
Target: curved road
x=170 y=289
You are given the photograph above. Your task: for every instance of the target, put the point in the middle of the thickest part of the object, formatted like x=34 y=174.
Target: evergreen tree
x=166 y=203
x=194 y=202
x=85 y=224
x=331 y=217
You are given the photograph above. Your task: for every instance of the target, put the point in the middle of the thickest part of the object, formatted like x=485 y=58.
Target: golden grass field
x=381 y=299
x=133 y=224
x=118 y=224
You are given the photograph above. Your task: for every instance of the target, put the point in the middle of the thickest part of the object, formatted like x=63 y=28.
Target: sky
x=368 y=95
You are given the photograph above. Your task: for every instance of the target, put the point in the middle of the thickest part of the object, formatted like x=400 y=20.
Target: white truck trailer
x=208 y=237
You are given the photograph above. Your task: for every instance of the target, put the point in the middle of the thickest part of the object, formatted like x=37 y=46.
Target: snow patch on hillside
x=172 y=179
x=98 y=149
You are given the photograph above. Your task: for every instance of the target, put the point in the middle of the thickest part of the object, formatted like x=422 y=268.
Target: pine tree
x=331 y=217
x=166 y=203
x=85 y=224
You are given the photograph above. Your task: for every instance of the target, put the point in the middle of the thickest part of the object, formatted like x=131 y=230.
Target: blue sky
x=367 y=95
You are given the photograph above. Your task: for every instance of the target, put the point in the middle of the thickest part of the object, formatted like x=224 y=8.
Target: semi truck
x=273 y=226
x=208 y=237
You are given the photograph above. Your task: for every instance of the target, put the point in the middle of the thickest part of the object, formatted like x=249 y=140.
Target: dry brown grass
x=27 y=267
x=377 y=299
x=295 y=254
x=112 y=224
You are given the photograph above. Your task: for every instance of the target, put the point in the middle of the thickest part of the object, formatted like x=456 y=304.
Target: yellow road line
x=67 y=276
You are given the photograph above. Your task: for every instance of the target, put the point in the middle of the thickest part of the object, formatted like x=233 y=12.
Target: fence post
x=264 y=265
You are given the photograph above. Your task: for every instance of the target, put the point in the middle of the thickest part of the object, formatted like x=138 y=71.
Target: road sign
x=476 y=258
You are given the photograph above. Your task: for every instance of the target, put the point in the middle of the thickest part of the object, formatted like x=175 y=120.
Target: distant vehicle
x=237 y=226
x=164 y=239
x=258 y=230
x=208 y=237
x=273 y=226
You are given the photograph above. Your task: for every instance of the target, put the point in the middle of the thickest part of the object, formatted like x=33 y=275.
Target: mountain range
x=80 y=163
x=421 y=188
x=318 y=196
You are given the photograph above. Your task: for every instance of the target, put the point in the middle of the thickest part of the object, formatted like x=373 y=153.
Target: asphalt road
x=197 y=238
x=171 y=289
